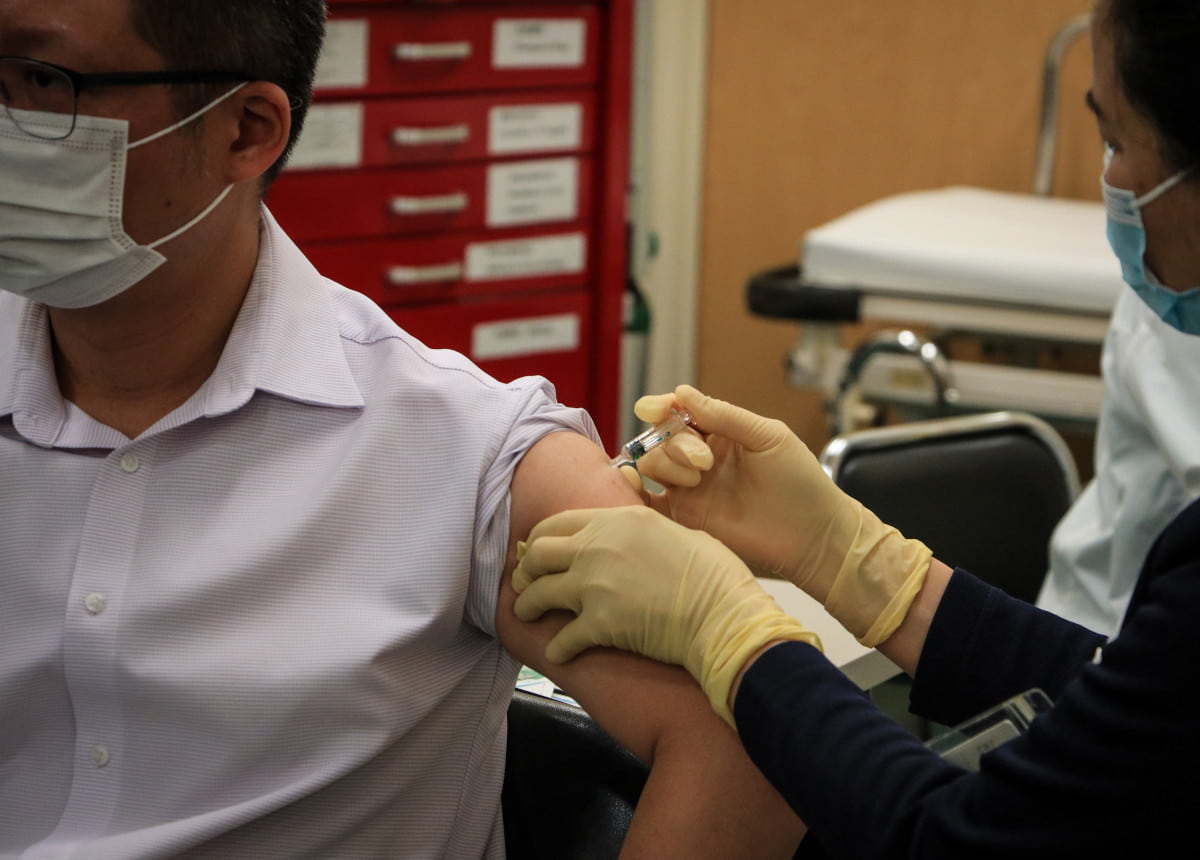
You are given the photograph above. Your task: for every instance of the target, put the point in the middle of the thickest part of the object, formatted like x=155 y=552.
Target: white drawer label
x=509 y=338
x=539 y=43
x=533 y=192
x=343 y=62
x=332 y=137
x=535 y=128
x=526 y=258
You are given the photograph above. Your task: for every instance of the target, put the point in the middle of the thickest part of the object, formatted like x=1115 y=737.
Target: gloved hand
x=640 y=582
x=756 y=487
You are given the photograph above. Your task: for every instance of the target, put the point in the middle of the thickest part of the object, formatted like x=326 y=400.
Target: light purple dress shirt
x=265 y=627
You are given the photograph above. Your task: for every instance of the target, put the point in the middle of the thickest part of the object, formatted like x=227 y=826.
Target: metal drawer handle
x=407 y=276
x=437 y=204
x=419 y=52
x=405 y=136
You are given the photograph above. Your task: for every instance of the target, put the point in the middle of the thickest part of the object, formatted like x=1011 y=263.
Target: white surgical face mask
x=62 y=241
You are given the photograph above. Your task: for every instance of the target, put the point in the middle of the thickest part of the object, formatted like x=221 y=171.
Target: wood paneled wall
x=816 y=108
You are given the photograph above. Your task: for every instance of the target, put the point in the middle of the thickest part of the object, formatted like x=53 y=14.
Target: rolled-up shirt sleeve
x=532 y=414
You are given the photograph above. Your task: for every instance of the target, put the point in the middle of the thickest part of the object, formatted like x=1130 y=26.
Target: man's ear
x=263 y=123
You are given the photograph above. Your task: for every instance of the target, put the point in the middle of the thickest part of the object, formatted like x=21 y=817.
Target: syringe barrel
x=648 y=440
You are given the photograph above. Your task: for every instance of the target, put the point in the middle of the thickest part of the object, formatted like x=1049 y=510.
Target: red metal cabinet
x=465 y=165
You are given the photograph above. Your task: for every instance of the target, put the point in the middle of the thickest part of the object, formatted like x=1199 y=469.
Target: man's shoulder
x=377 y=344
x=397 y=371
x=391 y=367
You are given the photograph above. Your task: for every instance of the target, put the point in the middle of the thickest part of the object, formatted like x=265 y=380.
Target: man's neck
x=135 y=358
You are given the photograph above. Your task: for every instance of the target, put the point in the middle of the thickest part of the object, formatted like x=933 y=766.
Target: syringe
x=645 y=442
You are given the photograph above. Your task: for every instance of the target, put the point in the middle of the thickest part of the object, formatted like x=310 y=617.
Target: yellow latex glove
x=639 y=582
x=751 y=483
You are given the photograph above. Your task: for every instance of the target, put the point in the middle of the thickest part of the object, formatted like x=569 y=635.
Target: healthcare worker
x=1110 y=770
x=1147 y=447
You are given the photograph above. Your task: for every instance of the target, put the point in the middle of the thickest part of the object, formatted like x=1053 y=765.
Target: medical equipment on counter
x=966 y=743
x=1028 y=271
x=645 y=442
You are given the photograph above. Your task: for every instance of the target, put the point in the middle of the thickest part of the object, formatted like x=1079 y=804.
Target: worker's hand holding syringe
x=750 y=482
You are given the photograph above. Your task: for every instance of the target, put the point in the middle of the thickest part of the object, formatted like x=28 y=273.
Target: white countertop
x=864 y=666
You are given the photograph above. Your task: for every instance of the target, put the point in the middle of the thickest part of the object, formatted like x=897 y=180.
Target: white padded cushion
x=971 y=244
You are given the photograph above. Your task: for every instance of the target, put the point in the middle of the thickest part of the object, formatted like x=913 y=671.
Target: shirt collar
x=29 y=389
x=285 y=341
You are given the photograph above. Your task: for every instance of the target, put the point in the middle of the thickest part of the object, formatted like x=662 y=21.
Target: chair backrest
x=569 y=788
x=984 y=492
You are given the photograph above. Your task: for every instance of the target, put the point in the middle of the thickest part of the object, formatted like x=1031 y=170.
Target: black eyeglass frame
x=81 y=81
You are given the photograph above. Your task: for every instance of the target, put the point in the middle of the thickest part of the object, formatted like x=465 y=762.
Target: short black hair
x=1157 y=57
x=271 y=40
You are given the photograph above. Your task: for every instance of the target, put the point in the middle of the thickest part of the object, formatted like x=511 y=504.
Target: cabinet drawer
x=451 y=267
x=388 y=202
x=543 y=335
x=403 y=131
x=376 y=49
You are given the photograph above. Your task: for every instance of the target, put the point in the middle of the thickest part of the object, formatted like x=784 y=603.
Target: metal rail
x=1043 y=170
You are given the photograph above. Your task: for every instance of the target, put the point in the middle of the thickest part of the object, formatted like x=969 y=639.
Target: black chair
x=984 y=492
x=569 y=788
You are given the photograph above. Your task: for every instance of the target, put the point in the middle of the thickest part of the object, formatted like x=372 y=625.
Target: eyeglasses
x=31 y=85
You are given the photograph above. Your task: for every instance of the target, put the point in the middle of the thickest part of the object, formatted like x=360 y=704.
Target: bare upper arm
x=565 y=470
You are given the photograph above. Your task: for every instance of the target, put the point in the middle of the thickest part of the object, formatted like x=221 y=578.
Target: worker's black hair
x=1157 y=48
x=271 y=40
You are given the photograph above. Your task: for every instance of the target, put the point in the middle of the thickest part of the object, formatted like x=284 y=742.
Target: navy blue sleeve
x=839 y=762
x=984 y=646
x=1108 y=772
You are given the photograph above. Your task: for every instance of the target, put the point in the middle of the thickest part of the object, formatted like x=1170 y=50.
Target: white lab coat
x=1147 y=467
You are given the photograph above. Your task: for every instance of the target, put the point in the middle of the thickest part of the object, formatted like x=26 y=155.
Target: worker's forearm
x=904 y=646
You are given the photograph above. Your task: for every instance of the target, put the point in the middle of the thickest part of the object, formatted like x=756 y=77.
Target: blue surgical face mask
x=1127 y=235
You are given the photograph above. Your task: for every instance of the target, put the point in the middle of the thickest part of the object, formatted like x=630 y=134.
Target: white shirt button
x=95 y=603
x=130 y=463
x=99 y=755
